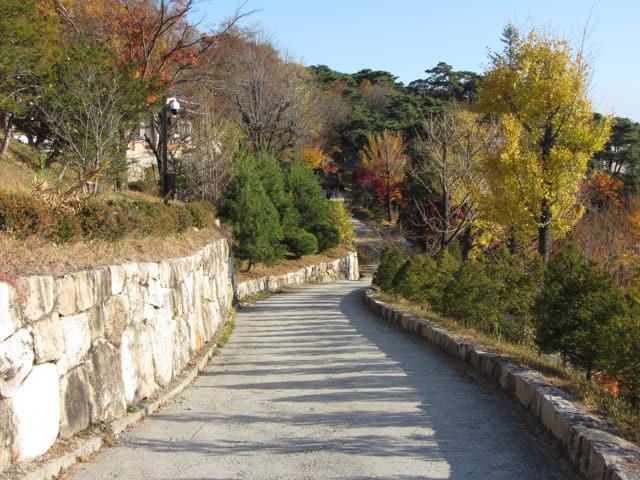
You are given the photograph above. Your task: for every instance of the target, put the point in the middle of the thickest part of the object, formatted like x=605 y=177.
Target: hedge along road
x=313 y=386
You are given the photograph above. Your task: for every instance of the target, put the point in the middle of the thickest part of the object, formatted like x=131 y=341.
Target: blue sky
x=407 y=37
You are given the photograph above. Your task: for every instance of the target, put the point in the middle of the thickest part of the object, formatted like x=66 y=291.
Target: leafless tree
x=85 y=116
x=451 y=142
x=275 y=99
x=209 y=160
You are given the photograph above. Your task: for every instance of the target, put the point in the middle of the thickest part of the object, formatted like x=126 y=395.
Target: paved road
x=311 y=386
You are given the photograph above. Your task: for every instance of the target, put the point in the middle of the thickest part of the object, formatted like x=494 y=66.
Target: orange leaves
x=609 y=232
x=607 y=189
x=152 y=37
x=312 y=156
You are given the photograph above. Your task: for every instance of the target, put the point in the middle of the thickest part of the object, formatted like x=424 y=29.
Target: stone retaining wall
x=345 y=268
x=597 y=453
x=77 y=349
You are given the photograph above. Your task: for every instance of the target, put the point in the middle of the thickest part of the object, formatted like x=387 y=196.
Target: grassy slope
x=35 y=255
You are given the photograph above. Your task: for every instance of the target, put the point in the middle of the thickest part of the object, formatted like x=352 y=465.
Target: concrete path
x=311 y=386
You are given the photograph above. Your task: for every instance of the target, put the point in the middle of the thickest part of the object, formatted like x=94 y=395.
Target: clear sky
x=407 y=37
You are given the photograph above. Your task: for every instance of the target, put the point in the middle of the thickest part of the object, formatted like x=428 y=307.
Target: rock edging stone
x=594 y=450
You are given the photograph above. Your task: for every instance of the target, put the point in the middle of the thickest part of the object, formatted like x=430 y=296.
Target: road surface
x=312 y=386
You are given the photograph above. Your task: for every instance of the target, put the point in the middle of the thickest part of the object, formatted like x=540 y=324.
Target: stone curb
x=85 y=447
x=597 y=453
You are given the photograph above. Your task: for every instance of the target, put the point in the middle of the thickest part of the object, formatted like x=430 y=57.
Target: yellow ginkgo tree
x=538 y=89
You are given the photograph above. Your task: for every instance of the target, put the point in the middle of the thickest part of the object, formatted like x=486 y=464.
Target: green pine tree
x=257 y=226
x=577 y=310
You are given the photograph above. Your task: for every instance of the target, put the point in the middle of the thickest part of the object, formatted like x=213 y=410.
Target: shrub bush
x=202 y=213
x=144 y=186
x=341 y=219
x=300 y=242
x=577 y=311
x=98 y=220
x=183 y=217
x=416 y=280
x=472 y=296
x=22 y=215
x=65 y=227
x=391 y=260
x=327 y=235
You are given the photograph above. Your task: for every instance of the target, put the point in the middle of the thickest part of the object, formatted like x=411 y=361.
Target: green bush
x=257 y=228
x=327 y=235
x=301 y=183
x=65 y=227
x=416 y=280
x=99 y=220
x=577 y=311
x=159 y=219
x=472 y=296
x=183 y=217
x=448 y=267
x=144 y=186
x=623 y=353
x=300 y=242
x=391 y=260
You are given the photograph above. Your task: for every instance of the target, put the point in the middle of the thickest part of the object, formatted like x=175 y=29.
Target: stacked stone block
x=77 y=349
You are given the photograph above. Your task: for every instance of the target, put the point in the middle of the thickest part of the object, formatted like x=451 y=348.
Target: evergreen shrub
x=22 y=215
x=300 y=242
x=416 y=279
x=326 y=234
x=391 y=260
x=64 y=228
x=578 y=310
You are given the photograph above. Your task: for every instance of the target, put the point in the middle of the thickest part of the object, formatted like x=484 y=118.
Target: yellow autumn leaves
x=538 y=90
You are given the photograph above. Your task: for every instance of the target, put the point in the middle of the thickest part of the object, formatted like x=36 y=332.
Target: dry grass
x=34 y=255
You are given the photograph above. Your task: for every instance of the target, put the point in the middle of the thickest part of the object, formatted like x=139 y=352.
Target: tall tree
x=29 y=40
x=257 y=225
x=446 y=84
x=383 y=156
x=539 y=89
x=621 y=155
x=87 y=109
x=451 y=143
x=211 y=152
x=275 y=100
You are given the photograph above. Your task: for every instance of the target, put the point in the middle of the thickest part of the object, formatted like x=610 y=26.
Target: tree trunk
x=544 y=233
x=8 y=130
x=465 y=243
x=389 y=213
x=515 y=245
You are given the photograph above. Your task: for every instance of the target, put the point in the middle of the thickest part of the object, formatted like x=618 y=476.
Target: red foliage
x=375 y=181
